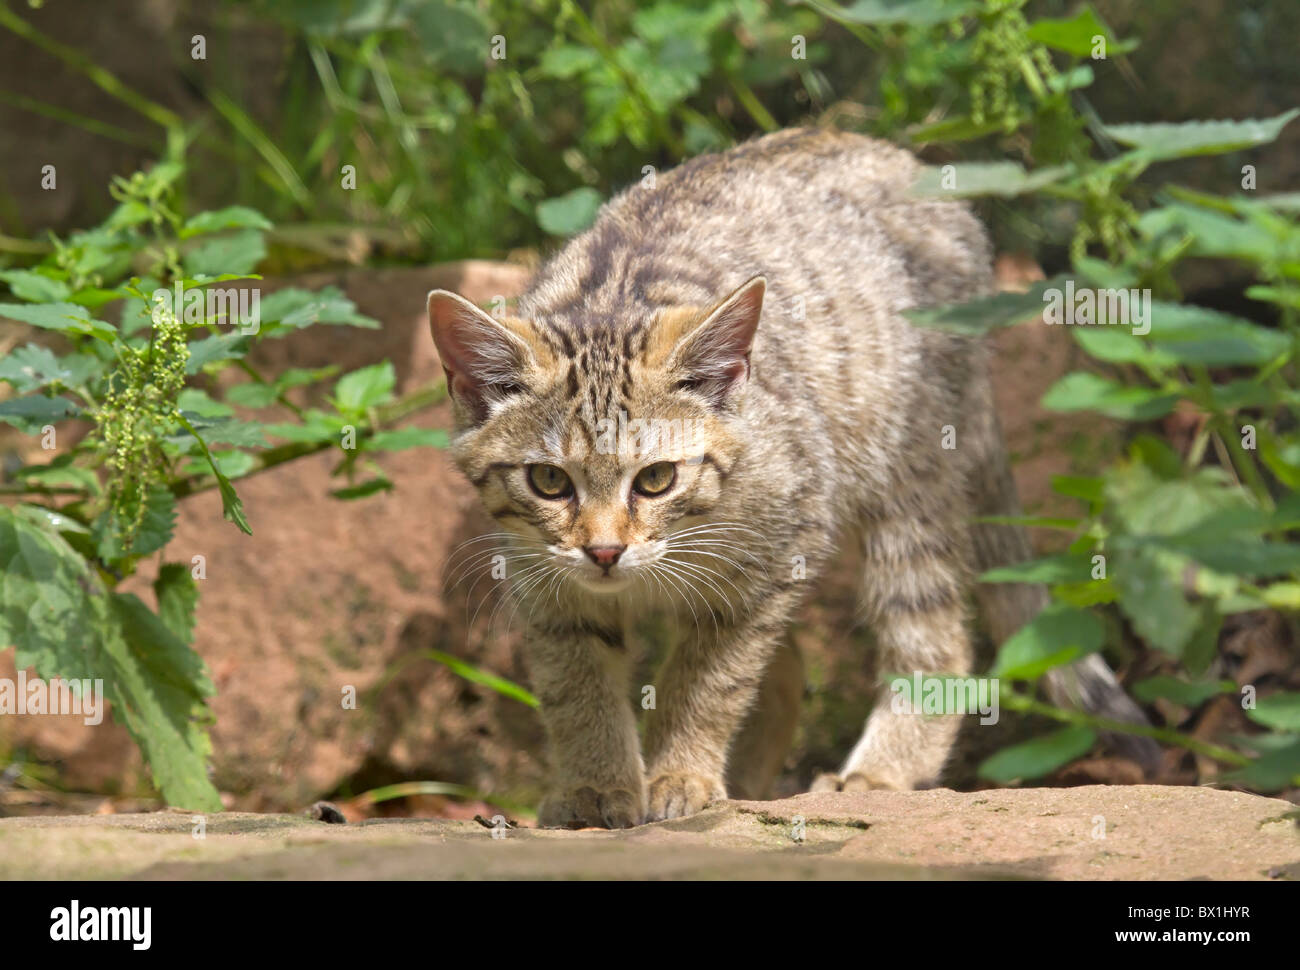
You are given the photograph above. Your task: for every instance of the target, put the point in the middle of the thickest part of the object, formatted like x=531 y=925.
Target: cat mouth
x=602 y=582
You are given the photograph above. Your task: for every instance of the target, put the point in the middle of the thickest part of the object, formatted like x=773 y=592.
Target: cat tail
x=1087 y=684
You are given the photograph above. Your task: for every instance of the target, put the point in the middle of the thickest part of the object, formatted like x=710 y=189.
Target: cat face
x=602 y=448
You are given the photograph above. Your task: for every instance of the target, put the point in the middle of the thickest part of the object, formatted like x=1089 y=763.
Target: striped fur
x=826 y=421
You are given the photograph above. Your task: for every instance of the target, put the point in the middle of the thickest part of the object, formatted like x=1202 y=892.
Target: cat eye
x=549 y=481
x=655 y=479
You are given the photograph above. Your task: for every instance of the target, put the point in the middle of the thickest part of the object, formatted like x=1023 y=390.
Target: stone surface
x=1151 y=832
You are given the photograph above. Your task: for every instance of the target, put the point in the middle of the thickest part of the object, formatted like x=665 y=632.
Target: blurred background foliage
x=468 y=147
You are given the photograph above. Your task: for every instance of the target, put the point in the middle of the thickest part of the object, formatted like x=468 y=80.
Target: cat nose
x=604 y=556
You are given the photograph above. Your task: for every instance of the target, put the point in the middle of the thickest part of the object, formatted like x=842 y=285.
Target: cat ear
x=483 y=358
x=713 y=357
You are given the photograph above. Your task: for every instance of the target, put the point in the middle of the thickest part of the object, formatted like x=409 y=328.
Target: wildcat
x=694 y=401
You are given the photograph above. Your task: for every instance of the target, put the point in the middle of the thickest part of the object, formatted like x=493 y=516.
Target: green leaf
x=1273 y=294
x=316 y=426
x=1283 y=596
x=1089 y=489
x=197 y=401
x=1118 y=345
x=404 y=438
x=50 y=519
x=476 y=675
x=364 y=489
x=1145 y=504
x=962 y=128
x=1156 y=454
x=364 y=388
x=1272 y=771
x=231 y=217
x=567 y=61
x=35 y=287
x=178 y=596
x=1094 y=592
x=1190 y=334
x=1278 y=711
x=1072 y=80
x=235 y=463
x=1151 y=596
x=1056 y=636
x=253 y=394
x=226 y=346
x=454 y=36
x=293 y=308
x=231 y=506
x=1075 y=35
x=1282 y=456
x=1214 y=233
x=230 y=431
x=94 y=297
x=1203 y=646
x=236 y=253
x=1162 y=140
x=569 y=214
x=160 y=689
x=1031 y=521
x=1239 y=555
x=1038 y=757
x=63 y=317
x=970 y=179
x=155 y=530
x=60 y=472
x=57 y=613
x=916 y=13
x=979 y=316
x=32 y=367
x=1181 y=691
x=47 y=609
x=1083 y=391
x=30 y=414
x=1065 y=568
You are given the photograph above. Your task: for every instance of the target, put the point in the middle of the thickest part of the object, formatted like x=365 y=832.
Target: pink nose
x=604 y=556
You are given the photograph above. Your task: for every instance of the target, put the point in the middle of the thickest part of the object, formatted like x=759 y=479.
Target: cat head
x=600 y=447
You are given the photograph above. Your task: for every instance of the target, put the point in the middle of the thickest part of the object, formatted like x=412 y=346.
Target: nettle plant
x=1165 y=545
x=74 y=527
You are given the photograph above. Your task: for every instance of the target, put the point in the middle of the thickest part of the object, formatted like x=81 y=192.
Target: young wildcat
x=693 y=403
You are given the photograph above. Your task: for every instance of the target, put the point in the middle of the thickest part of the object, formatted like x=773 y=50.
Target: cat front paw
x=853 y=781
x=586 y=807
x=674 y=794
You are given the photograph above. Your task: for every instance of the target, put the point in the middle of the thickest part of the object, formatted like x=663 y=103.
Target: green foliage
x=1039 y=756
x=144 y=384
x=1171 y=544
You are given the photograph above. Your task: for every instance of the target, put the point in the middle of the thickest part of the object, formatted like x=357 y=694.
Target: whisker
x=669 y=574
x=713 y=555
x=702 y=575
x=467 y=569
x=539 y=589
x=510 y=580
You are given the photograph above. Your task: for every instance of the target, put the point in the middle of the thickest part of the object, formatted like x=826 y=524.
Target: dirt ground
x=328 y=595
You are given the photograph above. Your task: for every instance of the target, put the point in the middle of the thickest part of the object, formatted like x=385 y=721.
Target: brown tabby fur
x=757 y=294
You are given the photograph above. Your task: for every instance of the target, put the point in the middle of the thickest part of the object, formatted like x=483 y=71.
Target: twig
x=1028 y=705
